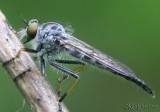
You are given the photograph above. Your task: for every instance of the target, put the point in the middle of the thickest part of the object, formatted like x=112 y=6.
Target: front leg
x=26 y=50
x=40 y=52
x=29 y=51
x=39 y=47
x=18 y=54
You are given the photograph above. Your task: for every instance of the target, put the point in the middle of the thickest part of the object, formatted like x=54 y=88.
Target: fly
x=51 y=39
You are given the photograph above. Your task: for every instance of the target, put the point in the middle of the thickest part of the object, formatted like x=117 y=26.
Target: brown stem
x=34 y=88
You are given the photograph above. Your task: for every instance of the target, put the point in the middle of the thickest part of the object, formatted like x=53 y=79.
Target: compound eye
x=32 y=29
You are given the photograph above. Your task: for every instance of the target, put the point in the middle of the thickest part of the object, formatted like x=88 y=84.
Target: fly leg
x=26 y=50
x=81 y=63
x=43 y=66
x=61 y=79
x=39 y=46
x=17 y=55
x=29 y=51
x=70 y=61
x=68 y=72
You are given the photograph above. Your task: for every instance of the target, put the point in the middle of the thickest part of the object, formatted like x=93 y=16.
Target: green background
x=128 y=30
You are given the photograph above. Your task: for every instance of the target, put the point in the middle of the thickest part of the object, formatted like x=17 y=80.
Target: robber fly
x=52 y=39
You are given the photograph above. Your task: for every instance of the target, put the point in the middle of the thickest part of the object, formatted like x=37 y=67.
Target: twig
x=34 y=88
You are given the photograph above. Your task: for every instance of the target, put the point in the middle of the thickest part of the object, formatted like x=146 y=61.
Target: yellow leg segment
x=60 y=80
x=69 y=90
x=31 y=51
x=72 y=87
x=36 y=73
x=19 y=52
x=26 y=50
x=78 y=69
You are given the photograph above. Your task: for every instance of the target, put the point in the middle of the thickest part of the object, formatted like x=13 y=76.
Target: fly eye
x=32 y=29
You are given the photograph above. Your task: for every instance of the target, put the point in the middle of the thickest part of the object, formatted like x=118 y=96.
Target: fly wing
x=80 y=49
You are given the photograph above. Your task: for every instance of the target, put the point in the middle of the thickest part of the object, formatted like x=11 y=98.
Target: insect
x=52 y=39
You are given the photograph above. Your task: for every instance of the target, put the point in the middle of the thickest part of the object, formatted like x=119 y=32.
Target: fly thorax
x=50 y=35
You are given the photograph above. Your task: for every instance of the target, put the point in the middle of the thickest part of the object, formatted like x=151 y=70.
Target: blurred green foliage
x=128 y=30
